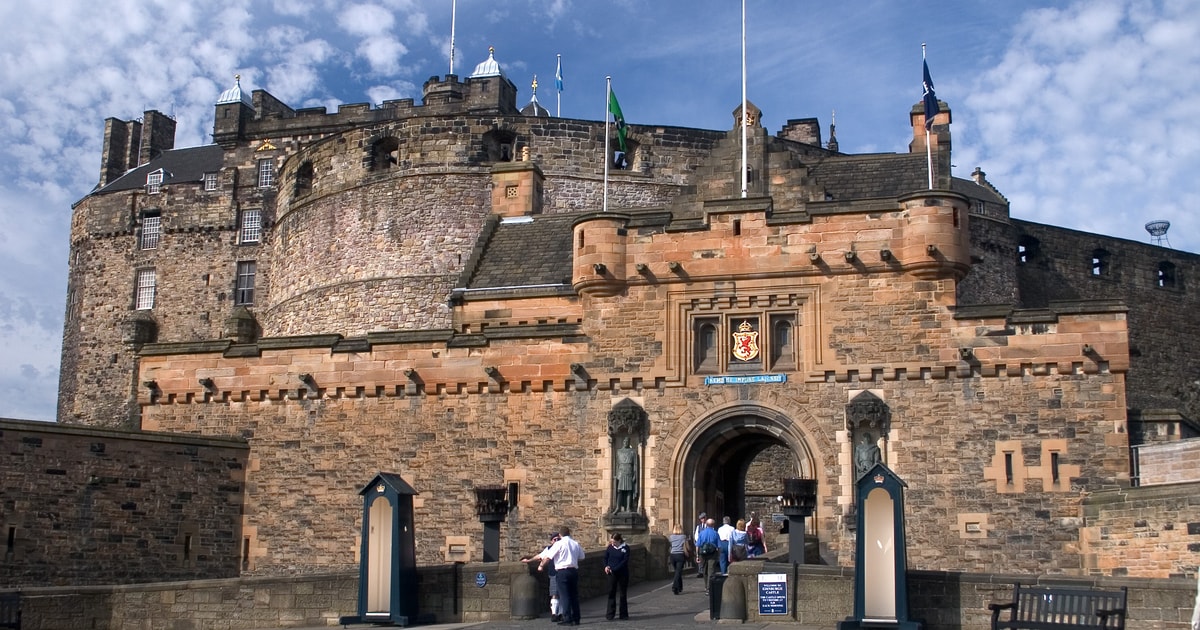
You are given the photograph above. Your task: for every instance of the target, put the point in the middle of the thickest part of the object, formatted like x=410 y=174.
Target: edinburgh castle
x=472 y=294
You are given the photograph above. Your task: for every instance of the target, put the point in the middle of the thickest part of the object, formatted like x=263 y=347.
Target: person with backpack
x=756 y=543
x=708 y=546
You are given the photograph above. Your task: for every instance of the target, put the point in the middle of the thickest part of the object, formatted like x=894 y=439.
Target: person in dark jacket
x=616 y=567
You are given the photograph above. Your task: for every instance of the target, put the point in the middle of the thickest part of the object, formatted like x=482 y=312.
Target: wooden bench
x=10 y=611
x=1061 y=608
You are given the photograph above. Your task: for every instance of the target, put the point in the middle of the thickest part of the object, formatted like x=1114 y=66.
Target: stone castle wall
x=1163 y=370
x=95 y=506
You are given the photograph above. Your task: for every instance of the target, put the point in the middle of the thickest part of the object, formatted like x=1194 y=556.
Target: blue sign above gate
x=745 y=380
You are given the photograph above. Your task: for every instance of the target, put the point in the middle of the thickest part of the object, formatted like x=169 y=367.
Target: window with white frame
x=251 y=226
x=210 y=182
x=244 y=293
x=154 y=182
x=147 y=280
x=151 y=230
x=266 y=173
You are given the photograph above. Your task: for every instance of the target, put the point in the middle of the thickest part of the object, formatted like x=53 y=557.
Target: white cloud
x=366 y=20
x=1089 y=120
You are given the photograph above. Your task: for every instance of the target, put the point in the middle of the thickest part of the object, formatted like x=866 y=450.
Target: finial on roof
x=488 y=68
x=235 y=94
x=833 y=143
x=535 y=86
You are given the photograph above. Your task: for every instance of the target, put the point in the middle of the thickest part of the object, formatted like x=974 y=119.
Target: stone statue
x=626 y=477
x=866 y=455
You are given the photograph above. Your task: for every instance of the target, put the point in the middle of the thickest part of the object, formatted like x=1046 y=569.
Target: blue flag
x=931 y=102
x=558 y=76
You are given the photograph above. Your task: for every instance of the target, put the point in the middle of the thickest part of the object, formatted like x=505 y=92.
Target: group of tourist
x=715 y=547
x=560 y=559
x=712 y=547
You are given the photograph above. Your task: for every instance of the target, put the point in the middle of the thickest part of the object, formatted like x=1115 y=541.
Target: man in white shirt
x=565 y=554
x=696 y=545
x=724 y=532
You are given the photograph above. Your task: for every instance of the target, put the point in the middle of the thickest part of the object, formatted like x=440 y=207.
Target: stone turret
x=598 y=260
x=234 y=109
x=939 y=141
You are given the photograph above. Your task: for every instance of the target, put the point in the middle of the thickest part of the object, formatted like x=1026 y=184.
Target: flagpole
x=453 y=13
x=558 y=88
x=744 y=116
x=928 y=130
x=607 y=97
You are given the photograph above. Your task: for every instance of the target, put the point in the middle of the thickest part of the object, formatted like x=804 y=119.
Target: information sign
x=772 y=593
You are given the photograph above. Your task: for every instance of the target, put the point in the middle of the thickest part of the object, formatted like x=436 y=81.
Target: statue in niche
x=625 y=476
x=866 y=455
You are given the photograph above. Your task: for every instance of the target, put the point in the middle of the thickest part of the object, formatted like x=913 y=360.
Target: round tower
x=935 y=242
x=598 y=254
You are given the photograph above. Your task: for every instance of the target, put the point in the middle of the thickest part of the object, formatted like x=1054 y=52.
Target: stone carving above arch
x=629 y=419
x=868 y=413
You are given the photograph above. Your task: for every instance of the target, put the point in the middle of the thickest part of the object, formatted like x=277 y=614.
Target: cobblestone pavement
x=651 y=606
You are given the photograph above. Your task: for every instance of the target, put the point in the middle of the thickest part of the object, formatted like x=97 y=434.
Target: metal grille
x=154 y=182
x=245 y=282
x=151 y=231
x=251 y=226
x=147 y=280
x=266 y=174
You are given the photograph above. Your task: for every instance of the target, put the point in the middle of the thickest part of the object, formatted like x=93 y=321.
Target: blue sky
x=1084 y=114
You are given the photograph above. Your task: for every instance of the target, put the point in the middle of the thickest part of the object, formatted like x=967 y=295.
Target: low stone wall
x=824 y=596
x=448 y=592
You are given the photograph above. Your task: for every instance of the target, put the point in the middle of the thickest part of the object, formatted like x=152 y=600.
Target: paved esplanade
x=651 y=606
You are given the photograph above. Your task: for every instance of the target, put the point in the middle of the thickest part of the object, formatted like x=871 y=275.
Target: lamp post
x=799 y=499
x=492 y=507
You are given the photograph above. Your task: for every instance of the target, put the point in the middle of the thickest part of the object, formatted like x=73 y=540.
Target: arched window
x=500 y=145
x=1166 y=276
x=1101 y=262
x=623 y=160
x=1027 y=249
x=385 y=154
x=782 y=342
x=706 y=346
x=304 y=178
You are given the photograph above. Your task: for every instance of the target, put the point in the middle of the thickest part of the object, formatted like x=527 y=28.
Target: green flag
x=615 y=109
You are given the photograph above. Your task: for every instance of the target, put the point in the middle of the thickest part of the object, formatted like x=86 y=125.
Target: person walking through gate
x=679 y=554
x=708 y=546
x=700 y=521
x=616 y=567
x=565 y=554
x=724 y=533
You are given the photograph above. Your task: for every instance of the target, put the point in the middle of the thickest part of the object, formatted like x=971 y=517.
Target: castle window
x=705 y=337
x=244 y=295
x=499 y=145
x=1166 y=276
x=210 y=182
x=1027 y=249
x=151 y=230
x=1100 y=262
x=783 y=344
x=266 y=173
x=251 y=226
x=154 y=182
x=624 y=160
x=304 y=178
x=1008 y=467
x=385 y=154
x=147 y=280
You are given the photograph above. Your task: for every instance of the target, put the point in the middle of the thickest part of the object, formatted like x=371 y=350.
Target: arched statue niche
x=628 y=429
x=868 y=420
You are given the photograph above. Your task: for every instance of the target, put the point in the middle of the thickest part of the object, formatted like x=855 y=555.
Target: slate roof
x=536 y=252
x=874 y=176
x=178 y=165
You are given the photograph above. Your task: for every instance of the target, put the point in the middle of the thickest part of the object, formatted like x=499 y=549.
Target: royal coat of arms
x=745 y=342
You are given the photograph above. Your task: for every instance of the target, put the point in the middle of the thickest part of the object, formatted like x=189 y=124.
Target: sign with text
x=749 y=379
x=772 y=593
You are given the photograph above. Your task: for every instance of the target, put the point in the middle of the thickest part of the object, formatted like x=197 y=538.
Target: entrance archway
x=731 y=462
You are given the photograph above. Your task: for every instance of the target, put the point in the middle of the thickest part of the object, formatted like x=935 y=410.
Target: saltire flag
x=615 y=109
x=931 y=102
x=558 y=84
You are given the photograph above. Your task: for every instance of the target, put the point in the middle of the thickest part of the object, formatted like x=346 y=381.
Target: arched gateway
x=732 y=461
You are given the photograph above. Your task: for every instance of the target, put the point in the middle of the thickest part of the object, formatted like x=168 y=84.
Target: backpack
x=708 y=549
x=754 y=536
